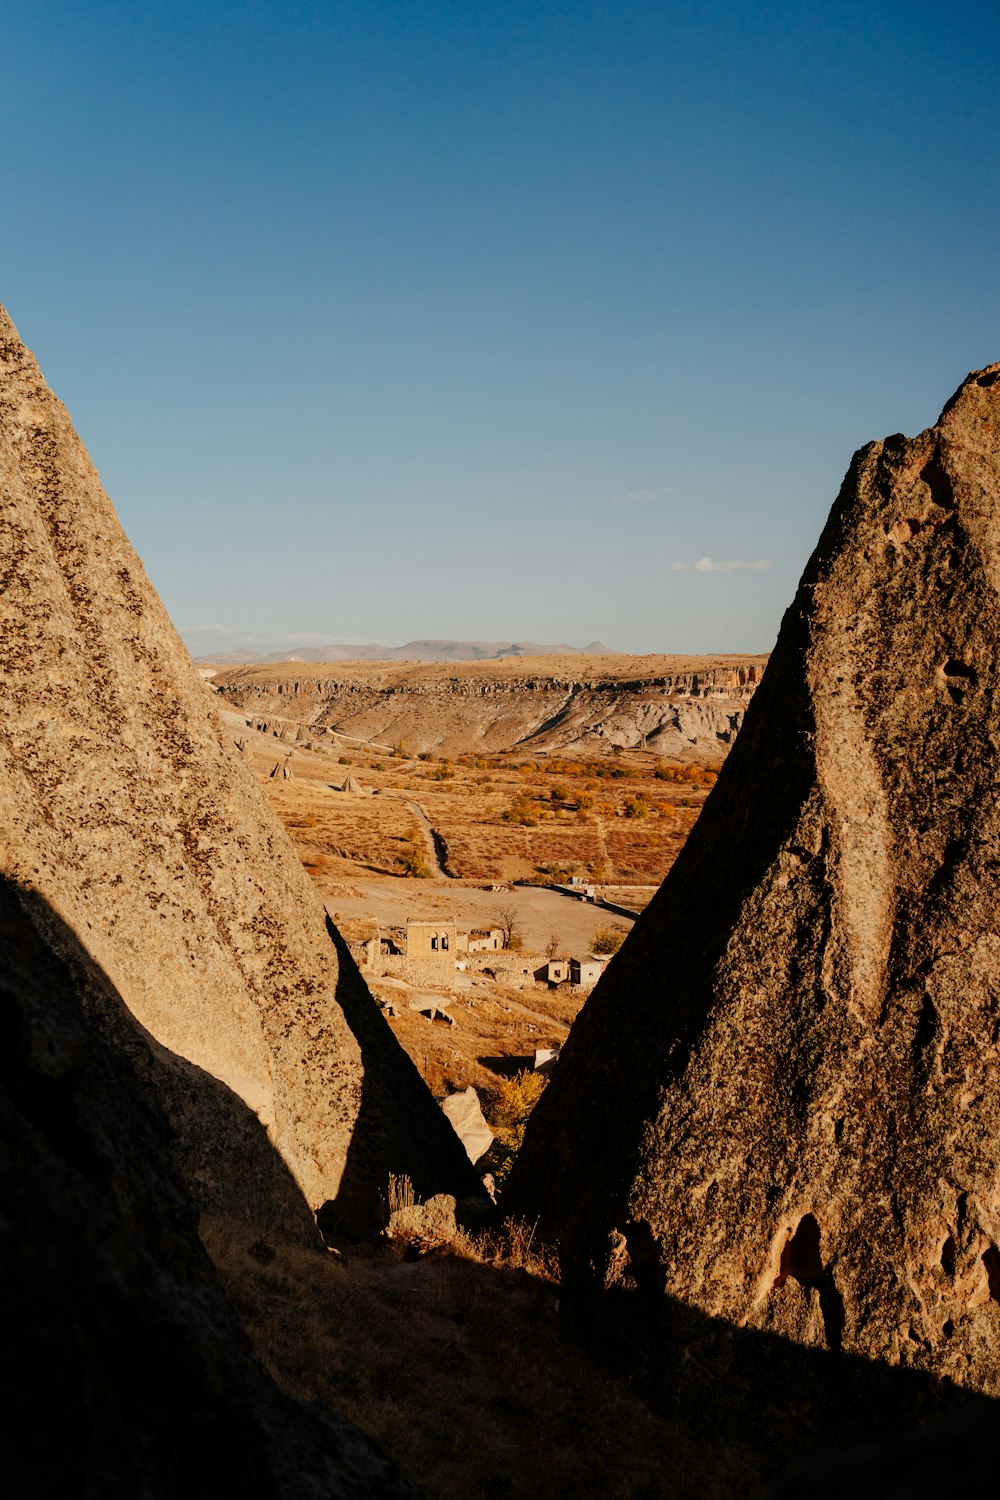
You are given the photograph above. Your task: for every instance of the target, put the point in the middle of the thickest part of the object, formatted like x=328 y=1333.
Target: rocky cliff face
x=684 y=708
x=781 y=1105
x=124 y=805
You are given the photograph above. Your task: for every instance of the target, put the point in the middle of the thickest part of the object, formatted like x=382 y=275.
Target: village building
x=585 y=971
x=555 y=971
x=363 y=938
x=484 y=939
x=437 y=941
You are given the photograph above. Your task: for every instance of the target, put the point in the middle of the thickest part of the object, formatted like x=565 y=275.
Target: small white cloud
x=706 y=565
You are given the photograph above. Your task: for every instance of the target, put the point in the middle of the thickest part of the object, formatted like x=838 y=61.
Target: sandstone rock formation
x=124 y=1371
x=781 y=1104
x=124 y=804
x=687 y=708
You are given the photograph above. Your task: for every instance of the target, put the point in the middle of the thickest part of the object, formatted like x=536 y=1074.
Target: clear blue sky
x=476 y=320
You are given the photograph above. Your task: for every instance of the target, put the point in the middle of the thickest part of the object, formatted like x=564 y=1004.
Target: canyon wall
x=682 y=708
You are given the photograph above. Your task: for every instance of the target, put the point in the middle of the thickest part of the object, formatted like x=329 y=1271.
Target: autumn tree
x=508 y=919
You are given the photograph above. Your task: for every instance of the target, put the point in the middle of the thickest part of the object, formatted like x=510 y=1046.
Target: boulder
x=468 y=1122
x=424 y=1225
x=781 y=1104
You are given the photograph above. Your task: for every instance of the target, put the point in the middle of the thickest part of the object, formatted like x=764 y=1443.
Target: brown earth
x=618 y=819
x=496 y=819
x=781 y=1105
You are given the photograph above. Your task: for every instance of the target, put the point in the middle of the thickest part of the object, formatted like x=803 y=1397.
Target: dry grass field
x=618 y=820
x=460 y=1365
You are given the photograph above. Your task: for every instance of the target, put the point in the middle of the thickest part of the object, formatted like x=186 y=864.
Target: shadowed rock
x=127 y=810
x=124 y=1370
x=782 y=1102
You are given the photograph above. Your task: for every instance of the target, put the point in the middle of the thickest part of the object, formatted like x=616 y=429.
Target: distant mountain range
x=412 y=651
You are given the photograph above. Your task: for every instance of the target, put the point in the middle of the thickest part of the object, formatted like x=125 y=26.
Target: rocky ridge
x=780 y=1105
x=683 y=708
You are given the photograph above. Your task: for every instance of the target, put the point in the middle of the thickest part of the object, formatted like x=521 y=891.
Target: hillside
x=687 y=708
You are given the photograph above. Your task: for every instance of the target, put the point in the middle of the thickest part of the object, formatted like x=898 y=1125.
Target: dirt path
x=436 y=849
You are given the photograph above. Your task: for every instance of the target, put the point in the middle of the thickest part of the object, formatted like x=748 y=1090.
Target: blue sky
x=491 y=320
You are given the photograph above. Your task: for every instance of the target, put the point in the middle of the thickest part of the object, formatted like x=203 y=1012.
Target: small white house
x=585 y=971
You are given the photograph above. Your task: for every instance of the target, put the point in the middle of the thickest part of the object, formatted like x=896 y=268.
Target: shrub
x=523 y=812
x=637 y=806
x=608 y=939
x=414 y=862
x=507 y=1110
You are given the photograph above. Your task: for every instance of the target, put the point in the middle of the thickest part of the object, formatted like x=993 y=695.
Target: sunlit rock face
x=782 y=1102
x=125 y=807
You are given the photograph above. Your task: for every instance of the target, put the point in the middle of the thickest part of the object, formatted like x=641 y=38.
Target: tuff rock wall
x=781 y=1105
x=126 y=809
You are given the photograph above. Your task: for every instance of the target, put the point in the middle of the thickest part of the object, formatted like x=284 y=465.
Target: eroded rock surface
x=124 y=804
x=687 y=708
x=781 y=1105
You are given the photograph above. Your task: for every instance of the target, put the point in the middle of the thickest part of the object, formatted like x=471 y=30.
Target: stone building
x=585 y=971
x=484 y=939
x=432 y=940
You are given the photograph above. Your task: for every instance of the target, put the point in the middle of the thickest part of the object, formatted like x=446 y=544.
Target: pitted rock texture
x=125 y=806
x=781 y=1104
x=125 y=1371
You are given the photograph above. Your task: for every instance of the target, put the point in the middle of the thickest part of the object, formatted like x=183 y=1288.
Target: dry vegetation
x=460 y=1365
x=619 y=820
